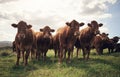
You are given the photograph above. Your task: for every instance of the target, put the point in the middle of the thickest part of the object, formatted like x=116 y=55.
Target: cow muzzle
x=77 y=33
x=97 y=32
x=21 y=36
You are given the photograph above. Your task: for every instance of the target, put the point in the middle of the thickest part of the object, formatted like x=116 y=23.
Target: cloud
x=96 y=8
x=6 y=1
x=53 y=13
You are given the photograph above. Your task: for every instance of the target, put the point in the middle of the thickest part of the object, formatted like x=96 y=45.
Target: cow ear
x=29 y=26
x=41 y=30
x=52 y=30
x=89 y=25
x=14 y=25
x=81 y=24
x=100 y=24
x=107 y=34
x=67 y=23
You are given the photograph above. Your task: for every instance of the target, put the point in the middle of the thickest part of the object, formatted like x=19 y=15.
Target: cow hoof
x=59 y=63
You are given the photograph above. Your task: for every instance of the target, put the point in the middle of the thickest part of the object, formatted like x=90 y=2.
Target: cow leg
x=109 y=50
x=69 y=51
x=32 y=53
x=44 y=56
x=84 y=54
x=98 y=51
x=88 y=53
x=72 y=53
x=18 y=57
x=26 y=57
x=55 y=50
x=65 y=54
x=60 y=55
x=23 y=56
x=101 y=51
x=112 y=50
x=37 y=55
x=77 y=52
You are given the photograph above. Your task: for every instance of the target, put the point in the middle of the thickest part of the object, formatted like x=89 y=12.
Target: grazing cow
x=86 y=36
x=44 y=40
x=99 y=41
x=24 y=40
x=66 y=37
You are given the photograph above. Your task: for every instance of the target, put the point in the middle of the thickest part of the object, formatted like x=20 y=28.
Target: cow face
x=22 y=28
x=95 y=27
x=74 y=26
x=47 y=32
x=104 y=36
x=116 y=39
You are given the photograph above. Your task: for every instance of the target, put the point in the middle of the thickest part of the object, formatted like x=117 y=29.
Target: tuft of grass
x=107 y=65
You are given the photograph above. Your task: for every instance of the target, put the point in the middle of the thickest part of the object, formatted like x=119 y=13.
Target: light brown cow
x=86 y=36
x=44 y=40
x=24 y=40
x=66 y=37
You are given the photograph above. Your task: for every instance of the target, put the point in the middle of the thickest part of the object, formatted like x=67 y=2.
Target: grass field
x=107 y=65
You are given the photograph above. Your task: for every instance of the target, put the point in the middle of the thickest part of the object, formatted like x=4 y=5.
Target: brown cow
x=77 y=46
x=55 y=44
x=66 y=37
x=24 y=40
x=44 y=40
x=112 y=44
x=86 y=36
x=98 y=42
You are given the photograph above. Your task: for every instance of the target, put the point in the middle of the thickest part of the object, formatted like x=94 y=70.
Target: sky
x=55 y=13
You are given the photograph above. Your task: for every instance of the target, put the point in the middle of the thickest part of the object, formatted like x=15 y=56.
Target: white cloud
x=52 y=12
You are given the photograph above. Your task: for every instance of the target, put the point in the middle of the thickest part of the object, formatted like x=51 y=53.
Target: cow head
x=104 y=36
x=22 y=28
x=74 y=26
x=95 y=26
x=47 y=32
x=116 y=39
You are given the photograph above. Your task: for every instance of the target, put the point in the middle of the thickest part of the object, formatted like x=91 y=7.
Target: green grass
x=107 y=65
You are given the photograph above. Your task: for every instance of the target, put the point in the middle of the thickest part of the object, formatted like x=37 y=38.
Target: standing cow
x=24 y=40
x=66 y=37
x=99 y=42
x=44 y=40
x=112 y=44
x=86 y=36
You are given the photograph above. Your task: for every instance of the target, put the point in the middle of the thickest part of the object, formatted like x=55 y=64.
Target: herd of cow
x=66 y=38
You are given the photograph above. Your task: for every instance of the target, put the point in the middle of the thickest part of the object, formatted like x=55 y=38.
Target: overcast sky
x=55 y=13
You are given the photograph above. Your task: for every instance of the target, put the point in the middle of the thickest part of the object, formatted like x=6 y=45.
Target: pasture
x=107 y=65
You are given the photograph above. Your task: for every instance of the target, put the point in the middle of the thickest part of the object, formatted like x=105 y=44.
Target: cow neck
x=29 y=37
x=70 y=36
x=90 y=34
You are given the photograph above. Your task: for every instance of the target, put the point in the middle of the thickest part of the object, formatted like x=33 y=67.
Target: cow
x=86 y=37
x=55 y=44
x=112 y=43
x=117 y=47
x=66 y=37
x=99 y=42
x=44 y=40
x=77 y=46
x=24 y=40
